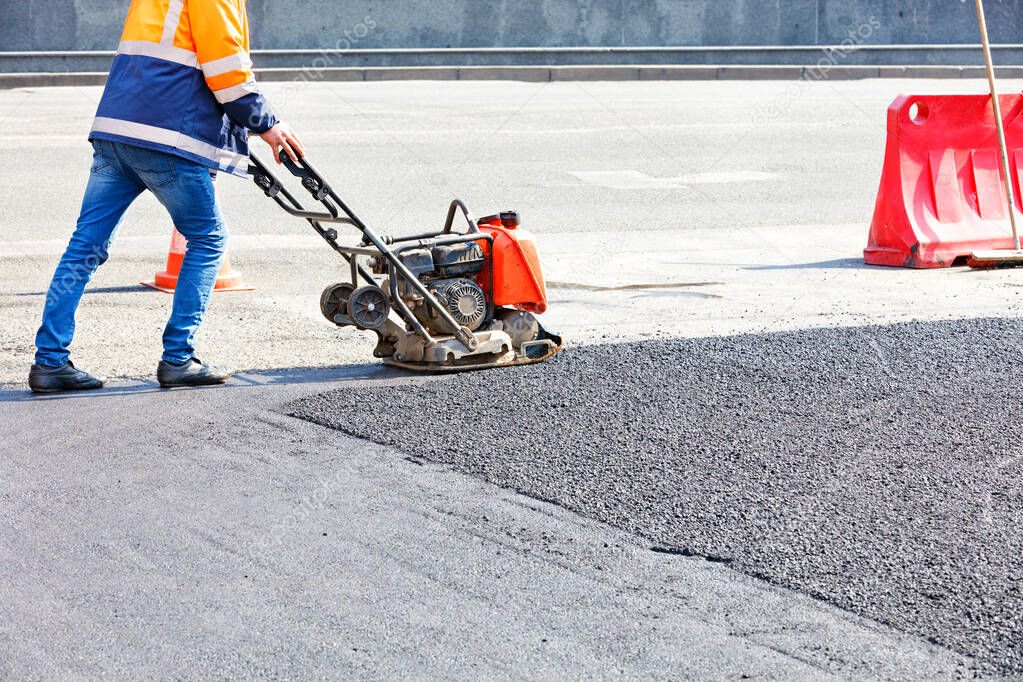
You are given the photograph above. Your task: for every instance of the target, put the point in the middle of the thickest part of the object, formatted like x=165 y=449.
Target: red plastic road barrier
x=942 y=195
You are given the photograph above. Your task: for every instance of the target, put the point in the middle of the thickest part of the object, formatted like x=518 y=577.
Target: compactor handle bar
x=338 y=212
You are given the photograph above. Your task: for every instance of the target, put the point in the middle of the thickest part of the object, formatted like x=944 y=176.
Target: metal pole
x=997 y=107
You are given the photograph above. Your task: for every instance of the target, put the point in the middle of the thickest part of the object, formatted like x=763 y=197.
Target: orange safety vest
x=182 y=82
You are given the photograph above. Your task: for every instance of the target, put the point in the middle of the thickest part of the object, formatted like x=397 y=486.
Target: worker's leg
x=186 y=190
x=110 y=191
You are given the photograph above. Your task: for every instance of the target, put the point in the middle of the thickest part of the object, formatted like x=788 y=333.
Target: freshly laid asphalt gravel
x=878 y=468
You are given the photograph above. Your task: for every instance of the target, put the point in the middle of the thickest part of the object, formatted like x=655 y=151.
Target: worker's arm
x=218 y=28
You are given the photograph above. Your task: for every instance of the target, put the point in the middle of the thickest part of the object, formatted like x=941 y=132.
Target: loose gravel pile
x=879 y=468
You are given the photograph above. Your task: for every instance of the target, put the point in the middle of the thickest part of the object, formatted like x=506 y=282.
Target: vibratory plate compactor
x=442 y=301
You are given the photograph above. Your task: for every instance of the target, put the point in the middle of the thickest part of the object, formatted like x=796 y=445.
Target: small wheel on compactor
x=334 y=302
x=369 y=308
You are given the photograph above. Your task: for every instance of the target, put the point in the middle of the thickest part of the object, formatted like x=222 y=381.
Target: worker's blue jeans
x=120 y=173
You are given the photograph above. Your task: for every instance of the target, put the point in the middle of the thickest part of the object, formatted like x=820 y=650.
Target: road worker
x=179 y=105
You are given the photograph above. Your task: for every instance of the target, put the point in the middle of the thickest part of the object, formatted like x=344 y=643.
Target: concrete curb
x=556 y=73
x=92 y=61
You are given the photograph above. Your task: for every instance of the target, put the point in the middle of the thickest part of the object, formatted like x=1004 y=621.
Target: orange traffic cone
x=228 y=279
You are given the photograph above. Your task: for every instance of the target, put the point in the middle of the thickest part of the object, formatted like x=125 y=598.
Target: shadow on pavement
x=837 y=264
x=94 y=290
x=241 y=380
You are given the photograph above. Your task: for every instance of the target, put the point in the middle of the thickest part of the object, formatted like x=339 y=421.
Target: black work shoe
x=192 y=373
x=42 y=379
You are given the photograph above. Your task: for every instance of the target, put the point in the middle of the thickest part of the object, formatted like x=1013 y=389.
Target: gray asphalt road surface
x=877 y=468
x=204 y=534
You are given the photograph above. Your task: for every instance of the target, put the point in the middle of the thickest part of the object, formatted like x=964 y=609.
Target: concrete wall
x=372 y=24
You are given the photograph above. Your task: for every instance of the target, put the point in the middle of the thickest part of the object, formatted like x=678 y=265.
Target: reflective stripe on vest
x=159 y=51
x=170 y=24
x=236 y=91
x=179 y=55
x=234 y=62
x=170 y=138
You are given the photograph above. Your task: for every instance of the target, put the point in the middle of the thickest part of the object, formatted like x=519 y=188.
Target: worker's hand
x=281 y=136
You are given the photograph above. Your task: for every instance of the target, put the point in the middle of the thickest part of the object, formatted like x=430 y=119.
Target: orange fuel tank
x=518 y=278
